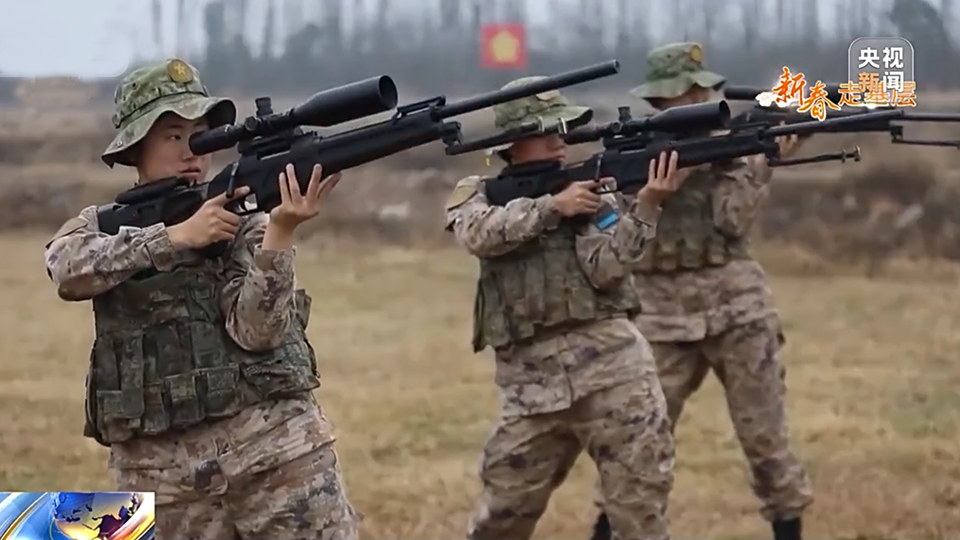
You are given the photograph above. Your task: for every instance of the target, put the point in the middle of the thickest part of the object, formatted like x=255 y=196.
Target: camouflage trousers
x=626 y=433
x=746 y=360
x=270 y=472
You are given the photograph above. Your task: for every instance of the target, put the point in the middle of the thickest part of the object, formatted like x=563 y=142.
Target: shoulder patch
x=465 y=190
x=72 y=225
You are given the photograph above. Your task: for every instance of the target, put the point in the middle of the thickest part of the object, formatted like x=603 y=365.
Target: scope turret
x=324 y=109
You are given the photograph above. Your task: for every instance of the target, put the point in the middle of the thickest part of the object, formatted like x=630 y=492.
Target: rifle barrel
x=816 y=125
x=742 y=93
x=931 y=117
x=569 y=78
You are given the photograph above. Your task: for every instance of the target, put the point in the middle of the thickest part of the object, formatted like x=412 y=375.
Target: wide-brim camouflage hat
x=674 y=69
x=218 y=111
x=573 y=115
x=149 y=92
x=676 y=86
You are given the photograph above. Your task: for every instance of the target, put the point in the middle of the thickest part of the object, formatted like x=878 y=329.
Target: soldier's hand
x=663 y=179
x=296 y=207
x=211 y=223
x=788 y=145
x=607 y=184
x=579 y=198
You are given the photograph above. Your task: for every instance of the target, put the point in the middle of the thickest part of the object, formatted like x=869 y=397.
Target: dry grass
x=873 y=378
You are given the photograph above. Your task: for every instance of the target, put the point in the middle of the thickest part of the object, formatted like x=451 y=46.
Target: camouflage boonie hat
x=148 y=92
x=673 y=69
x=548 y=108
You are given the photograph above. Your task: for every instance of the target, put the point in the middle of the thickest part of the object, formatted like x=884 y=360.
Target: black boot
x=787 y=530
x=601 y=529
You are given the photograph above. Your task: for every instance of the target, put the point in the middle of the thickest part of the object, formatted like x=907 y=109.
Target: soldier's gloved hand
x=210 y=224
x=578 y=198
x=663 y=179
x=296 y=207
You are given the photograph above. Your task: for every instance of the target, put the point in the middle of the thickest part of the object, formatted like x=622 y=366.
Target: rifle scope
x=324 y=109
x=683 y=119
x=687 y=118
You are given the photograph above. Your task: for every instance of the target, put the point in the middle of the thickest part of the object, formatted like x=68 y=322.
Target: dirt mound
x=907 y=209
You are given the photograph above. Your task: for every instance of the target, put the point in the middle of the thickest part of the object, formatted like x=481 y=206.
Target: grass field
x=872 y=369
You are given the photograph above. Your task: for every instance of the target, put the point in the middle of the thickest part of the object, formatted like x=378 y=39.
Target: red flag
x=503 y=46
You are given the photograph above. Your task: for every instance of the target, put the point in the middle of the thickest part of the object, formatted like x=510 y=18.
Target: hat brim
x=218 y=111
x=676 y=86
x=574 y=116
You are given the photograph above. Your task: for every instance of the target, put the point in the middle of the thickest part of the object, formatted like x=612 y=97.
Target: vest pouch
x=291 y=368
x=117 y=388
x=478 y=341
x=666 y=254
x=715 y=251
x=90 y=406
x=286 y=371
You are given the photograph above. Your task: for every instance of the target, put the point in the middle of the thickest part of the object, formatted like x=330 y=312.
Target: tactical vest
x=687 y=237
x=540 y=287
x=163 y=361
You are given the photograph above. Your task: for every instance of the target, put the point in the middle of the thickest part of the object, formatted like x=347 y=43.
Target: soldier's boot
x=787 y=530
x=601 y=529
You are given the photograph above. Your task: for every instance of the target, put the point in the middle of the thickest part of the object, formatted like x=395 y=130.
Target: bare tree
x=269 y=32
x=751 y=13
x=156 y=18
x=181 y=38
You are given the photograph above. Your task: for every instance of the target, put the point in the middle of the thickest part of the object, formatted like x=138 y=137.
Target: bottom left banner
x=62 y=515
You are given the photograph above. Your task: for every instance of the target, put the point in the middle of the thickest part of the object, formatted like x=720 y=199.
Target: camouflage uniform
x=201 y=375
x=573 y=371
x=706 y=305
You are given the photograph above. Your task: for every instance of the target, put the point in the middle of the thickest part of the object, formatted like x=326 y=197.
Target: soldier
x=705 y=303
x=574 y=373
x=201 y=375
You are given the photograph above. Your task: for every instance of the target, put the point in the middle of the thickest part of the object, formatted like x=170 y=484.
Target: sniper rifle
x=629 y=163
x=267 y=142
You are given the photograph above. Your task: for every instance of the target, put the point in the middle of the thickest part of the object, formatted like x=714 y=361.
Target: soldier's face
x=546 y=148
x=165 y=152
x=692 y=96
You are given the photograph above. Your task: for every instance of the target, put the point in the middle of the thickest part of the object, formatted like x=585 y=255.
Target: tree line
x=307 y=45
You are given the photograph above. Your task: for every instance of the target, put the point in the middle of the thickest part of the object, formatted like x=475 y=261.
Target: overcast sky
x=98 y=38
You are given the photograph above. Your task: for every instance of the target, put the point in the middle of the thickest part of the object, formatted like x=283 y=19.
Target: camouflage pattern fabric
x=147 y=93
x=614 y=410
x=723 y=318
x=85 y=263
x=547 y=108
x=573 y=385
x=675 y=68
x=745 y=360
x=269 y=472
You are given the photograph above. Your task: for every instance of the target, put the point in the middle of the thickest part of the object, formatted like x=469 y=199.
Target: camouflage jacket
x=724 y=286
